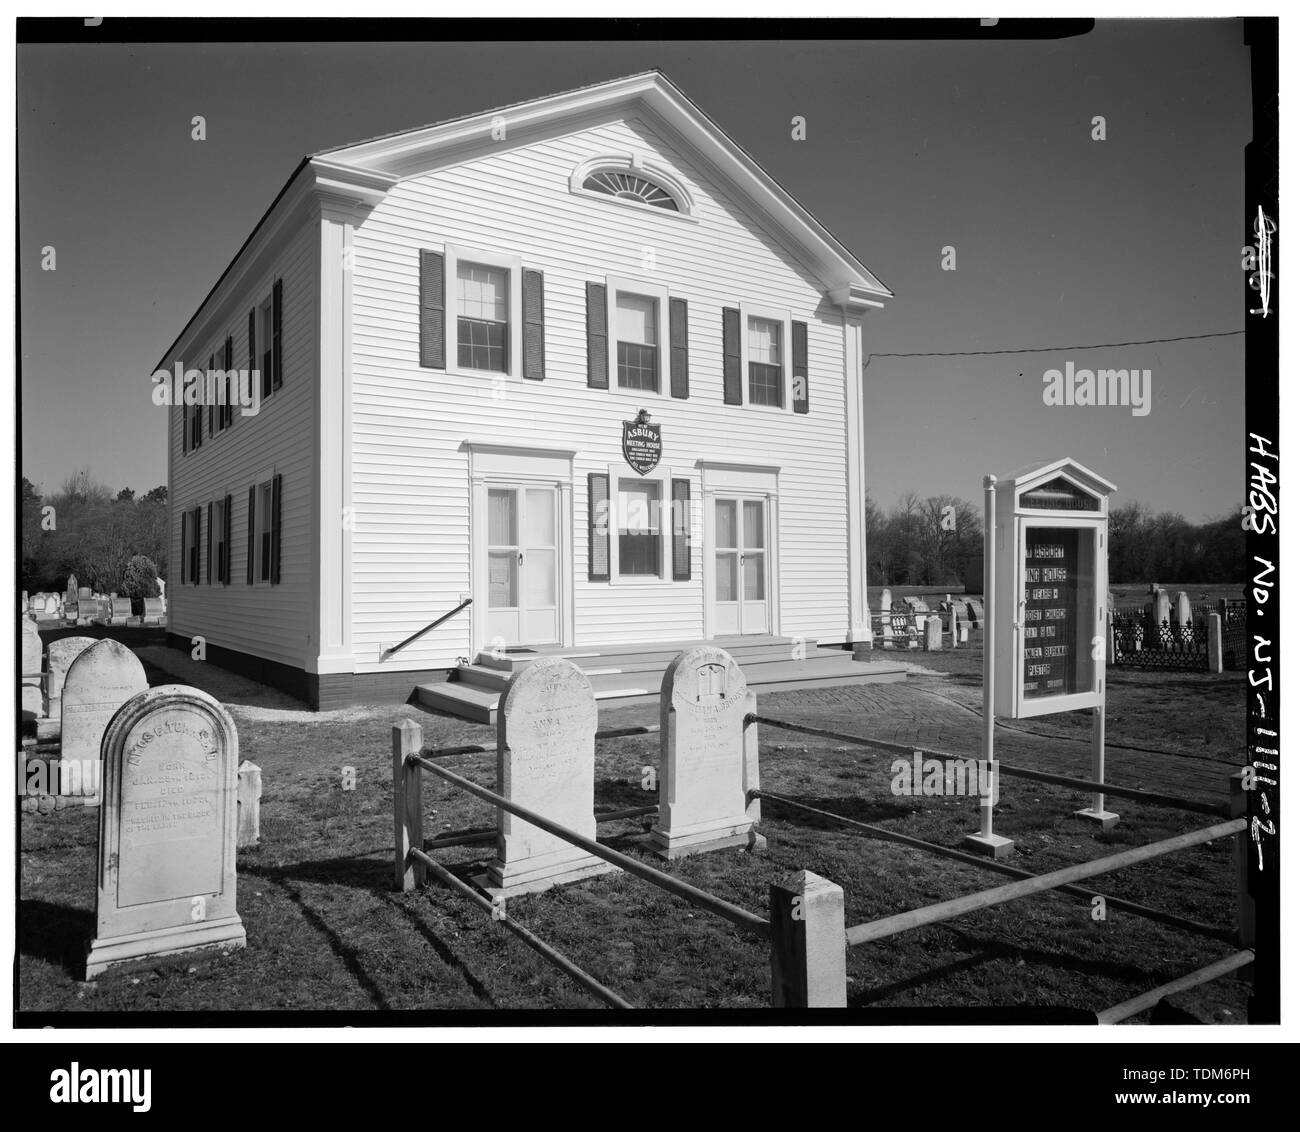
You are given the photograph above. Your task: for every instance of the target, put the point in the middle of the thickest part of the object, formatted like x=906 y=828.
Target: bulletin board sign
x=1051 y=580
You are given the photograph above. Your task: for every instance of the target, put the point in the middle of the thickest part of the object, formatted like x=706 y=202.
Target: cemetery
x=715 y=849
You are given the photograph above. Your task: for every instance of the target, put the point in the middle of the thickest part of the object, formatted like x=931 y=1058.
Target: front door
x=740 y=576
x=522 y=575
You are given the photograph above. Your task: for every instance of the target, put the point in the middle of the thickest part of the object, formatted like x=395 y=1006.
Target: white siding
x=411 y=499
x=275 y=622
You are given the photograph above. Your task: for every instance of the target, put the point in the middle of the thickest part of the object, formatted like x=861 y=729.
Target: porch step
x=473 y=691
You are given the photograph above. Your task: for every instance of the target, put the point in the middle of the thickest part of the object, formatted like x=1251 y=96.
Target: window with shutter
x=482 y=317
x=597 y=527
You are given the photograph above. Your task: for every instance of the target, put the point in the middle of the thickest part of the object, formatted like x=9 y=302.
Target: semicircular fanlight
x=630 y=186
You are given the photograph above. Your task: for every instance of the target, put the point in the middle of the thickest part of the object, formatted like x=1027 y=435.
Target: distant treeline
x=926 y=542
x=88 y=529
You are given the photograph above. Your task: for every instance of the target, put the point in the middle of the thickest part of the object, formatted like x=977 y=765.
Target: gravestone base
x=539 y=873
x=991 y=846
x=48 y=729
x=1103 y=818
x=144 y=947
x=704 y=838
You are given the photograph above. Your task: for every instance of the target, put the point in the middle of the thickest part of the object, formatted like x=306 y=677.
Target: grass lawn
x=325 y=931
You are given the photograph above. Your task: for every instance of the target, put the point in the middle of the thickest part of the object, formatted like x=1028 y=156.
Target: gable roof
x=366 y=169
x=407 y=153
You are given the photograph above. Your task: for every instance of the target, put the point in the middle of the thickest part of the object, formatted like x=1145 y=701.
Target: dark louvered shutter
x=185 y=547
x=232 y=387
x=534 y=325
x=799 y=364
x=730 y=356
x=597 y=526
x=679 y=356
x=225 y=544
x=252 y=530
x=433 y=311
x=209 y=391
x=211 y=538
x=185 y=424
x=681 y=530
x=252 y=346
x=275 y=530
x=277 y=328
x=597 y=340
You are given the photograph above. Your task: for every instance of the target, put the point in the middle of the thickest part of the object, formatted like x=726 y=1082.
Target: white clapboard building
x=579 y=363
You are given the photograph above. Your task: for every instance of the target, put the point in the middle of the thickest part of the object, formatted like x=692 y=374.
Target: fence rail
x=959 y=906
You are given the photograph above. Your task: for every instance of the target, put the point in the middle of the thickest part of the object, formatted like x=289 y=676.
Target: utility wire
x=1055 y=349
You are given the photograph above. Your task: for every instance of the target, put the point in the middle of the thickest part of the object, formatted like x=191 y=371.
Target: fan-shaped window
x=630 y=186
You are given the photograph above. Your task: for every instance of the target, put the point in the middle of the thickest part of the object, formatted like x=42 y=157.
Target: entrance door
x=740 y=582
x=522 y=552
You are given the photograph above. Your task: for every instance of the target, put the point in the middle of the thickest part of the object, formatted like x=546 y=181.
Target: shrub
x=139 y=581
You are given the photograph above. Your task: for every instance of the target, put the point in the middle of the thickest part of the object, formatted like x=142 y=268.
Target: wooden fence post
x=408 y=811
x=1214 y=641
x=808 y=945
x=1242 y=853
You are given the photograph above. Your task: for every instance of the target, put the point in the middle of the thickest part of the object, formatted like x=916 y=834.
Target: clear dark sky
x=982 y=146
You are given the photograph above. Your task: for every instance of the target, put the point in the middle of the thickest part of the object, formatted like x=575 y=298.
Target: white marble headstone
x=30 y=676
x=709 y=758
x=58 y=659
x=546 y=761
x=98 y=682
x=167 y=830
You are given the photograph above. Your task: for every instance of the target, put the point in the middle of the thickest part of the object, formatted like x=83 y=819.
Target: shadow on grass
x=56 y=933
x=857 y=809
x=990 y=950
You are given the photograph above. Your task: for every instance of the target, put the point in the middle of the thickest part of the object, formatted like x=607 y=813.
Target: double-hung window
x=640 y=528
x=636 y=329
x=482 y=317
x=766 y=373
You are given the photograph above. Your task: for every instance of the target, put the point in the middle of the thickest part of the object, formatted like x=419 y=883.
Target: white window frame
x=664 y=478
x=645 y=289
x=771 y=314
x=514 y=266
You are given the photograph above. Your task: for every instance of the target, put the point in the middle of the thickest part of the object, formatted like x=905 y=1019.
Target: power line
x=1055 y=349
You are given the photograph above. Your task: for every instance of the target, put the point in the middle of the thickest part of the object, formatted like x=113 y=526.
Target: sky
x=984 y=147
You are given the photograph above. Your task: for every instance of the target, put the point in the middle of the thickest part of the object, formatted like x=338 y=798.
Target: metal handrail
x=383 y=656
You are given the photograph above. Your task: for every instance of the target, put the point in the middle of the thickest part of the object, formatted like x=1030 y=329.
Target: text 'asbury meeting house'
x=579 y=362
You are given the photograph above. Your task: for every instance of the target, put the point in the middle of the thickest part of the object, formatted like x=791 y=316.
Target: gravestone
x=708 y=757
x=119 y=610
x=58 y=659
x=886 y=627
x=30 y=676
x=1182 y=610
x=153 y=611
x=70 y=592
x=85 y=593
x=546 y=761
x=249 y=804
x=975 y=608
x=933 y=634
x=162 y=590
x=99 y=681
x=167 y=830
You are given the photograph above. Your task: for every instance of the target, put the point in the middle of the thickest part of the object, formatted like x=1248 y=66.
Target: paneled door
x=522 y=565
x=740 y=574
